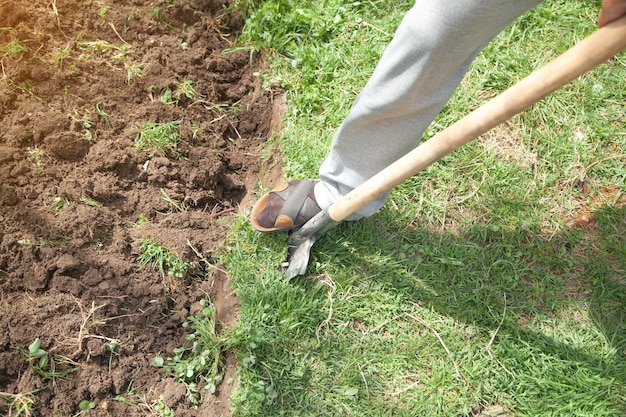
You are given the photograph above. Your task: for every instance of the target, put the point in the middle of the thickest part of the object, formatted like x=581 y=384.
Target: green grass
x=160 y=258
x=492 y=281
x=158 y=139
x=13 y=48
x=21 y=404
x=198 y=364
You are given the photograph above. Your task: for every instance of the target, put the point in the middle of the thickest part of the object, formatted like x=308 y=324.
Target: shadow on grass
x=500 y=281
x=479 y=273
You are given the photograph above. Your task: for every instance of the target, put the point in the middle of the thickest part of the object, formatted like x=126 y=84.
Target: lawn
x=492 y=283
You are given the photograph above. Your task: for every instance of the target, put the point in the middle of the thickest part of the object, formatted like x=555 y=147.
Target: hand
x=611 y=10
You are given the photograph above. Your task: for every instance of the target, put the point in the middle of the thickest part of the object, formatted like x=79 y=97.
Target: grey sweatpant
x=419 y=70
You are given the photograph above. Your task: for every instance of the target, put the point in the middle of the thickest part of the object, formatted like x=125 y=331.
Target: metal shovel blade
x=301 y=240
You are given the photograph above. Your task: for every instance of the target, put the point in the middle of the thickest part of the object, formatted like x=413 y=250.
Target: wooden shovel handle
x=605 y=43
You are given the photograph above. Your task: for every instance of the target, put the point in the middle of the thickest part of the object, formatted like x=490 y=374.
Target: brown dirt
x=73 y=187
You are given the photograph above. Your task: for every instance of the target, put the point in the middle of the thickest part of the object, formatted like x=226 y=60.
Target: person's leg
x=418 y=72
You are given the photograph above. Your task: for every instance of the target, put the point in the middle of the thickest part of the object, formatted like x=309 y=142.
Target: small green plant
x=40 y=243
x=90 y=201
x=85 y=405
x=180 y=207
x=162 y=259
x=104 y=115
x=102 y=47
x=161 y=408
x=59 y=55
x=37 y=354
x=156 y=14
x=103 y=12
x=39 y=360
x=134 y=70
x=36 y=158
x=167 y=97
x=121 y=399
x=159 y=139
x=85 y=121
x=186 y=89
x=141 y=220
x=26 y=87
x=20 y=404
x=14 y=48
x=59 y=203
x=117 y=52
x=111 y=346
x=129 y=392
x=198 y=366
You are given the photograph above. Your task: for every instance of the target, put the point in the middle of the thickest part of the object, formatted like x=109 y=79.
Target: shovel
x=587 y=54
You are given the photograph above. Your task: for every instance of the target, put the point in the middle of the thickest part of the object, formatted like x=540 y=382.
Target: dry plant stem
x=364 y=23
x=328 y=281
x=116 y=32
x=83 y=333
x=406 y=389
x=367 y=388
x=203 y=259
x=55 y=11
x=456 y=368
x=22 y=402
x=380 y=326
x=583 y=174
x=493 y=337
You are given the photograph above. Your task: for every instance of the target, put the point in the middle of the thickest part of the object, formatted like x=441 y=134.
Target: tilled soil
x=77 y=197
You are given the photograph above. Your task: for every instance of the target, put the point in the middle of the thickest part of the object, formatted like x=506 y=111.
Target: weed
x=134 y=70
x=141 y=220
x=85 y=121
x=27 y=87
x=21 y=404
x=162 y=259
x=59 y=203
x=180 y=207
x=159 y=139
x=15 y=48
x=167 y=97
x=161 y=408
x=104 y=115
x=117 y=52
x=103 y=12
x=90 y=201
x=40 y=243
x=103 y=47
x=111 y=346
x=186 y=89
x=36 y=158
x=84 y=406
x=130 y=16
x=35 y=352
x=122 y=399
x=198 y=366
x=156 y=14
x=195 y=130
x=39 y=360
x=59 y=55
